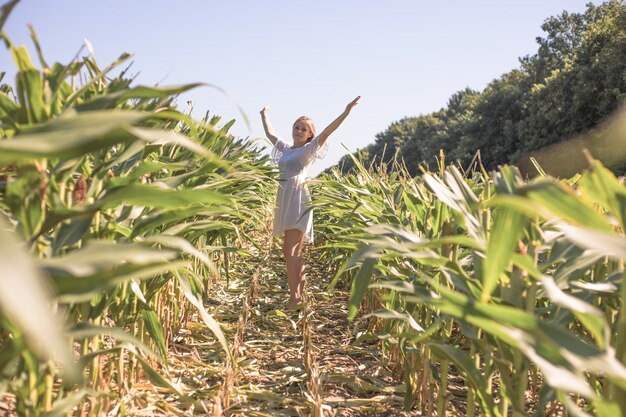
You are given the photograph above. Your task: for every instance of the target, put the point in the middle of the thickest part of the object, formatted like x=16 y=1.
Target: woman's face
x=301 y=133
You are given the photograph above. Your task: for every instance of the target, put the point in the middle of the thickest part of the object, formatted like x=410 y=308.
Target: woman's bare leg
x=292 y=249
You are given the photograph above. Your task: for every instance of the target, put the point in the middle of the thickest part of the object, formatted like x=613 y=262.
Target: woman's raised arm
x=335 y=123
x=267 y=126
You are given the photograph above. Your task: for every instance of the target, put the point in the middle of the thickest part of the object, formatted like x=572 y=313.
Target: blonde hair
x=309 y=122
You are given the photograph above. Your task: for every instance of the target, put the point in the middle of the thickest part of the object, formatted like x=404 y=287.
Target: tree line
x=575 y=80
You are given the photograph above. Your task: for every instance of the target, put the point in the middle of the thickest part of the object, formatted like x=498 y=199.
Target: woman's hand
x=264 y=110
x=352 y=104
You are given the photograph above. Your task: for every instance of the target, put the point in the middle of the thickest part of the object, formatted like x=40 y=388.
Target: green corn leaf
x=125 y=164
x=159 y=195
x=590 y=316
x=168 y=137
x=25 y=199
x=595 y=241
x=6 y=11
x=155 y=330
x=72 y=289
x=151 y=195
x=137 y=167
x=99 y=75
x=466 y=364
x=520 y=204
x=387 y=314
x=70 y=135
x=602 y=187
x=359 y=286
x=108 y=101
x=561 y=355
x=454 y=179
x=65 y=405
x=462 y=201
x=99 y=266
x=99 y=255
x=164 y=217
x=35 y=39
x=206 y=317
x=159 y=379
x=8 y=110
x=30 y=87
x=26 y=298
x=60 y=88
x=606 y=408
x=505 y=233
x=564 y=203
x=123 y=339
x=176 y=242
x=368 y=251
x=70 y=233
x=358 y=163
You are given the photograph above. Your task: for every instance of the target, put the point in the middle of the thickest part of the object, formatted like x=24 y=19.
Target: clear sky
x=404 y=57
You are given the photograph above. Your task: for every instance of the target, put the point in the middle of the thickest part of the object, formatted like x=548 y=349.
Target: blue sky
x=403 y=57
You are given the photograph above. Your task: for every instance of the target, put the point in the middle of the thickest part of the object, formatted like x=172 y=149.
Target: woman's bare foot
x=294 y=304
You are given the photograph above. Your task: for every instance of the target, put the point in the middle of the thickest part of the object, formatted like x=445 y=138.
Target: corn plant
x=512 y=286
x=117 y=212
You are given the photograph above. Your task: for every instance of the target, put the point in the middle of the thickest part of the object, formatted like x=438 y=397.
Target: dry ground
x=303 y=363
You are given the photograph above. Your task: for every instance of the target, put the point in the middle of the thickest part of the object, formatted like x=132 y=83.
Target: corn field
x=140 y=277
x=509 y=291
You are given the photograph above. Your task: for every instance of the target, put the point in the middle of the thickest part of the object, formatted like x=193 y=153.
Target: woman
x=292 y=217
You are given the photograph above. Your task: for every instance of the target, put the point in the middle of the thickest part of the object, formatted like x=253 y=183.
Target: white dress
x=292 y=200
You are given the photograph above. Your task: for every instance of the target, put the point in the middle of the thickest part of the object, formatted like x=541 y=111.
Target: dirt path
x=301 y=363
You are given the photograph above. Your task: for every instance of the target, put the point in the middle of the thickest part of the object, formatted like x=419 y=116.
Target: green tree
x=576 y=78
x=590 y=84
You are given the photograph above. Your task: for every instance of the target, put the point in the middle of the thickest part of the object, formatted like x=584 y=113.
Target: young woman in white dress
x=293 y=217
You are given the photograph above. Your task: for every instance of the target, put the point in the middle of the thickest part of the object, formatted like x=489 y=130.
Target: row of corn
x=502 y=294
x=117 y=214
